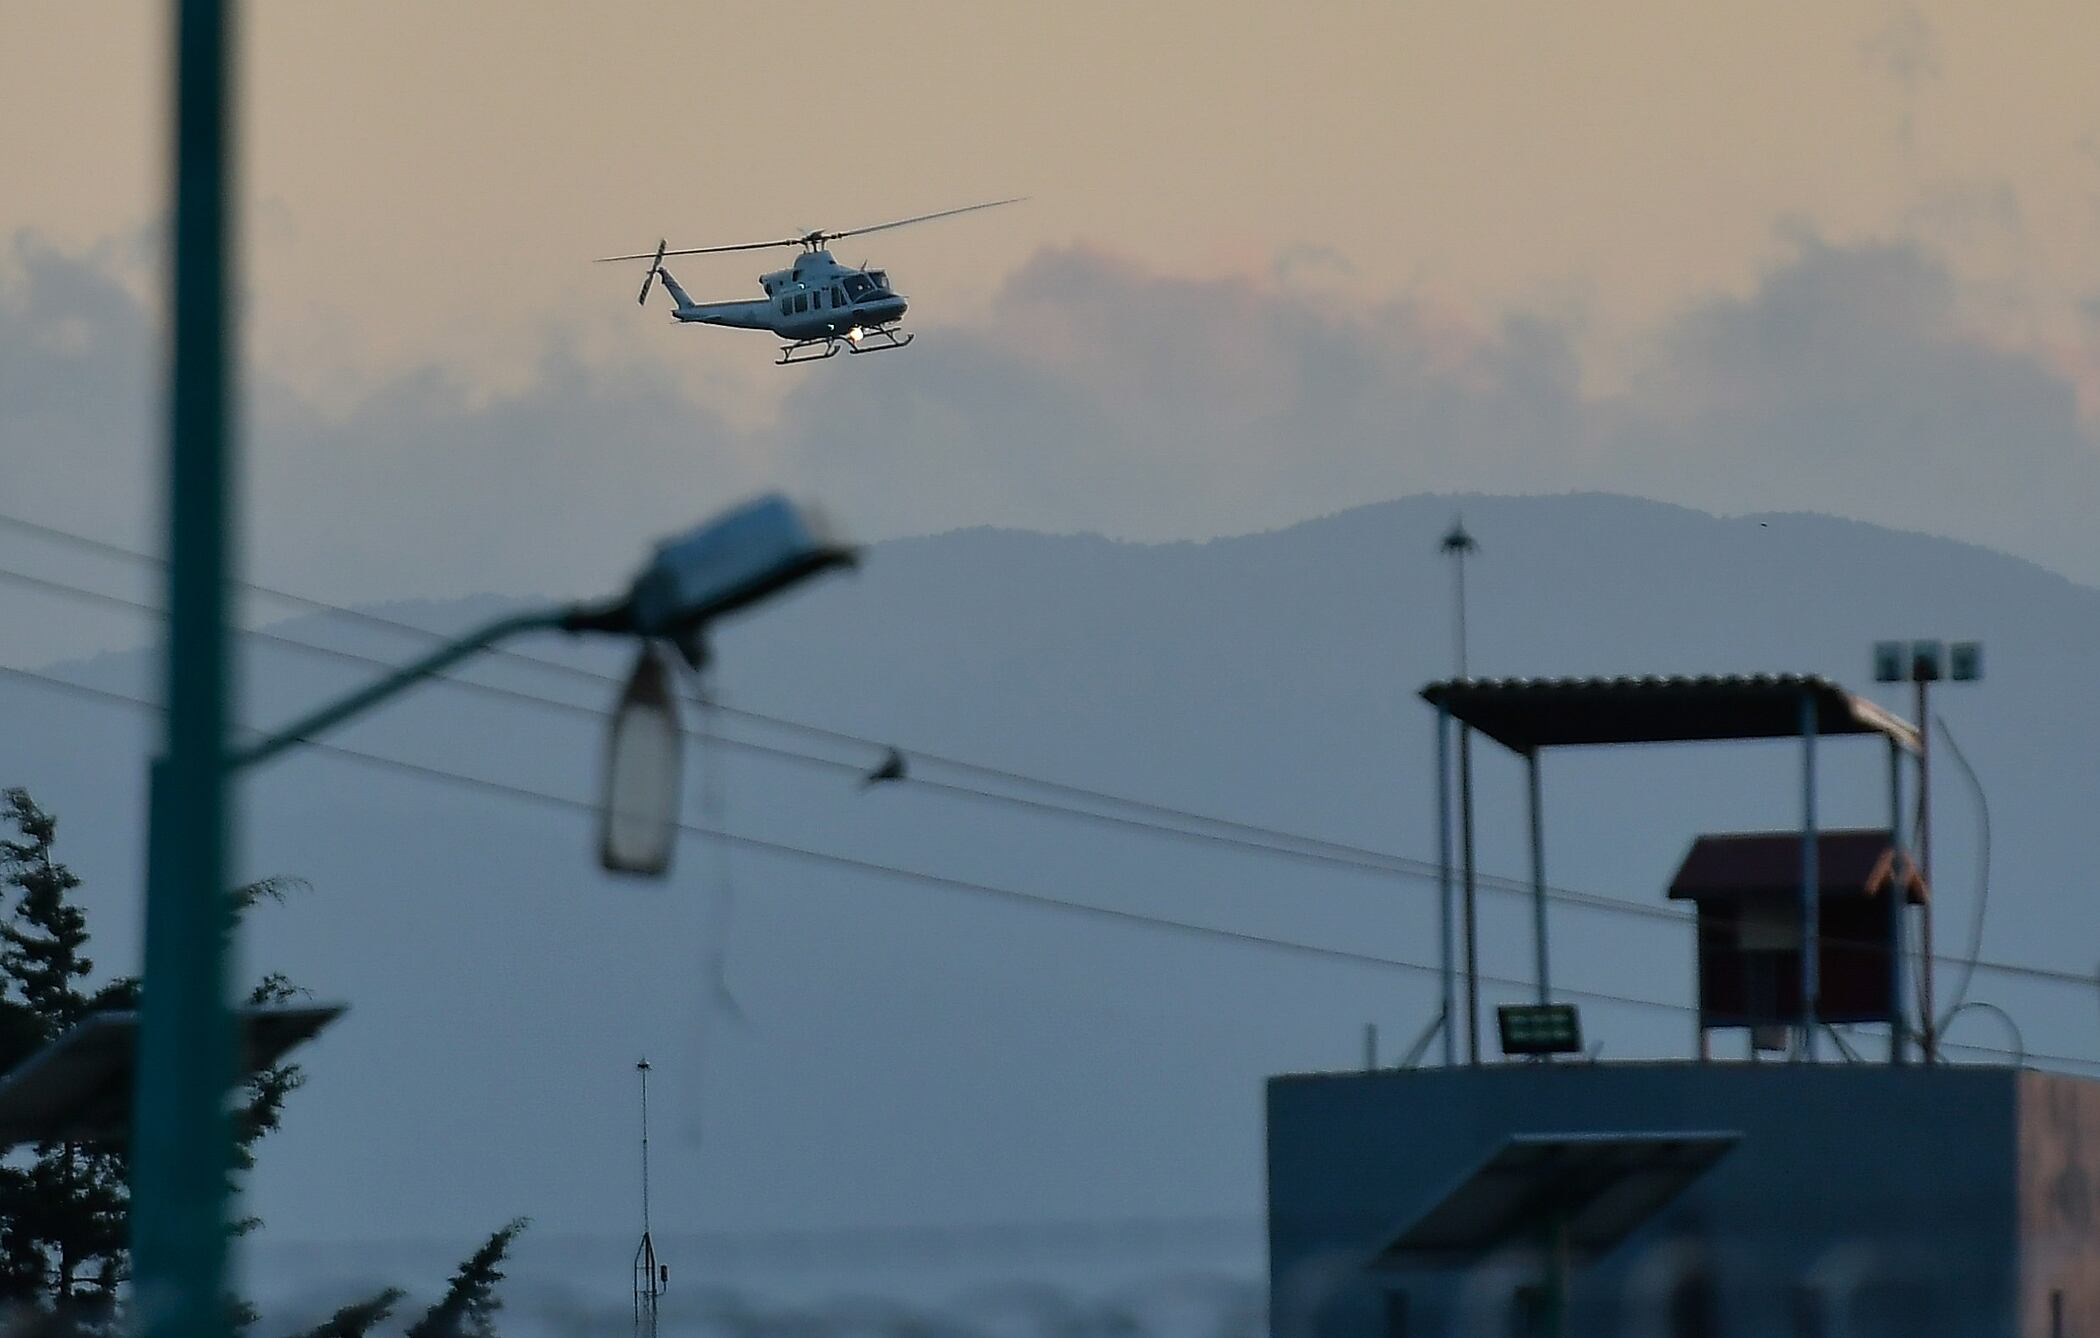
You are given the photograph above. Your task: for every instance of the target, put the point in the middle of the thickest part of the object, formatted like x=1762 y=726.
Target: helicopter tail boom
x=678 y=294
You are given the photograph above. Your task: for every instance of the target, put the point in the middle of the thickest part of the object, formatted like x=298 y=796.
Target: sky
x=1275 y=261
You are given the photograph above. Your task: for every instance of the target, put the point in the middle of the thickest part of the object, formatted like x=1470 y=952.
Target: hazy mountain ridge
x=903 y=1043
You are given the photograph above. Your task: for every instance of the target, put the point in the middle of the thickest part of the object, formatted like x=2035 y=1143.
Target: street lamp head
x=738 y=558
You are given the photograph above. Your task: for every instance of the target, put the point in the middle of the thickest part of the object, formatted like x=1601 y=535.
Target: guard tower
x=1746 y=886
x=1531 y=716
x=1701 y=1197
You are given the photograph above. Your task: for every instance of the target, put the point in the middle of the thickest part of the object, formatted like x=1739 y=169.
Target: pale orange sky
x=1277 y=260
x=426 y=182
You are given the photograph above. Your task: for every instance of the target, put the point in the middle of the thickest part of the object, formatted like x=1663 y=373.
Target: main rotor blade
x=705 y=250
x=922 y=218
x=815 y=238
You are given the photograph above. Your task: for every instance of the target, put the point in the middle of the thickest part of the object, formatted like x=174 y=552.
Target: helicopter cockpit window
x=882 y=280
x=858 y=286
x=838 y=296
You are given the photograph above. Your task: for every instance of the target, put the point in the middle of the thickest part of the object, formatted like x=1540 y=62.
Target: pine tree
x=469 y=1305
x=356 y=1319
x=65 y=1215
x=63 y=1218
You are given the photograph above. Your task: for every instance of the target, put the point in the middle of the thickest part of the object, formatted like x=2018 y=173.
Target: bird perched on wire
x=890 y=769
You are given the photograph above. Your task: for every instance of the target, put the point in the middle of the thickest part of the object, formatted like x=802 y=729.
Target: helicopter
x=816 y=304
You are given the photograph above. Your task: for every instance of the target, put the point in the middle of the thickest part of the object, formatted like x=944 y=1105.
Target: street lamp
x=733 y=561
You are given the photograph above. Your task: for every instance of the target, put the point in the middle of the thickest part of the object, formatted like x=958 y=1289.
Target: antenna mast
x=651 y=1279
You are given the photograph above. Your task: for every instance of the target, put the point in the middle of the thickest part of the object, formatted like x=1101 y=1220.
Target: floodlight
x=1965 y=661
x=638 y=812
x=1927 y=661
x=1888 y=662
x=1539 y=1029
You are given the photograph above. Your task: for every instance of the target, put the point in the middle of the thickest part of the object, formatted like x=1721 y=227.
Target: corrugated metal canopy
x=1731 y=866
x=79 y=1086
x=1525 y=714
x=1600 y=1185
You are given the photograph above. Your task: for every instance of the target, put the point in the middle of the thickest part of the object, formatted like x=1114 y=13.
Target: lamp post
x=182 y=1137
x=1458 y=545
x=1921 y=664
x=182 y=1146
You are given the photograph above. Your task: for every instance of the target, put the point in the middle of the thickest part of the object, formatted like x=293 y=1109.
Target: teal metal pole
x=182 y=1147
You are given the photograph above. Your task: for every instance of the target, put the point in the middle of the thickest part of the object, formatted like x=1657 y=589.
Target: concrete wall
x=2059 y=1204
x=1863 y=1200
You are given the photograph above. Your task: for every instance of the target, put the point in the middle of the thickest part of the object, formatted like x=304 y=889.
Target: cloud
x=1847 y=383
x=1905 y=47
x=1100 y=396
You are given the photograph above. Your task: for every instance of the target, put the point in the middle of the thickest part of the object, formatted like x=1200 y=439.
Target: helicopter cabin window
x=838 y=296
x=801 y=303
x=787 y=305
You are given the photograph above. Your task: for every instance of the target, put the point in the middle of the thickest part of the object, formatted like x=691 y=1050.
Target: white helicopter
x=816 y=304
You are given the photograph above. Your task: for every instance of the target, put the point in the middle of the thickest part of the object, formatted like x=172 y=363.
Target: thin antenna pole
x=1458 y=544
x=651 y=1279
x=643 y=1068
x=1464 y=546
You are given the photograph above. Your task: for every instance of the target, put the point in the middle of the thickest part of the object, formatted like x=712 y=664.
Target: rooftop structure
x=1696 y=1198
x=1747 y=886
x=1692 y=1200
x=1528 y=716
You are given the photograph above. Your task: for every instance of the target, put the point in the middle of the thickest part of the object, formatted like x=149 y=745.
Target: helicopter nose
x=883 y=310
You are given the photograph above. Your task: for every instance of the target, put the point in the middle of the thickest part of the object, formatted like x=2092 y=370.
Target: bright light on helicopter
x=853 y=335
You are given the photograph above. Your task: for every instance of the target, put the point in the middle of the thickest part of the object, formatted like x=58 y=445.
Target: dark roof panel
x=1734 y=865
x=1524 y=714
x=1602 y=1185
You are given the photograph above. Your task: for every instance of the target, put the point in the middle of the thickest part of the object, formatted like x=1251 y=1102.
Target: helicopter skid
x=873 y=339
x=807 y=350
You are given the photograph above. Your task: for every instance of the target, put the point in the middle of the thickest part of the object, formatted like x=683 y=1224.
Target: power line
x=1304 y=849
x=1358 y=860
x=1222 y=831
x=1375 y=858
x=1085 y=910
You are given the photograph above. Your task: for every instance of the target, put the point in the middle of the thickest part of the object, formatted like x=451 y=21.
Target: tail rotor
x=656 y=267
